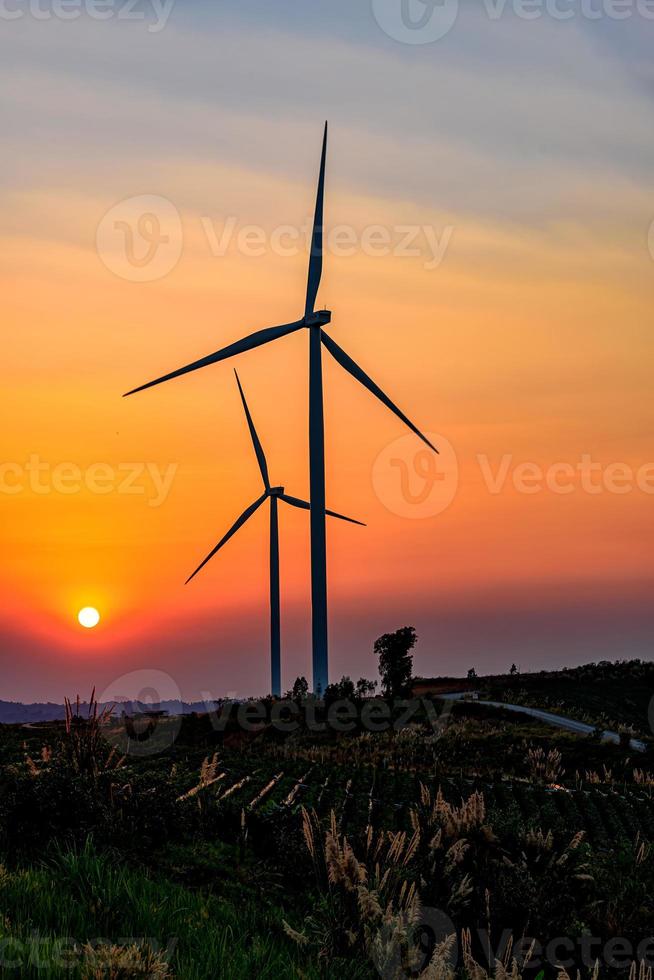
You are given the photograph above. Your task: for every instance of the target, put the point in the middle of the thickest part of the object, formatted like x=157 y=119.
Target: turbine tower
x=314 y=322
x=272 y=494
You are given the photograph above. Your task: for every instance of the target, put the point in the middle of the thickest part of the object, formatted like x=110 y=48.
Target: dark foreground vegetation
x=477 y=845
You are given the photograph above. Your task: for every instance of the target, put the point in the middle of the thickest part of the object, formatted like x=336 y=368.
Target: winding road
x=568 y=724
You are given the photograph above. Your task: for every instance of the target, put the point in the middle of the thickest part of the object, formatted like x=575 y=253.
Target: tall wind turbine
x=314 y=322
x=273 y=494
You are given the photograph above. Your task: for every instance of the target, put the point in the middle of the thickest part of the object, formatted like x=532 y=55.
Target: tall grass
x=80 y=897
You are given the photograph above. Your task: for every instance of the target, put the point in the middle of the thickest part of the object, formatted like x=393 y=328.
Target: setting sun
x=88 y=617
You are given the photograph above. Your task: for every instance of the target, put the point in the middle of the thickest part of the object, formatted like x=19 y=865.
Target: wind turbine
x=314 y=322
x=273 y=494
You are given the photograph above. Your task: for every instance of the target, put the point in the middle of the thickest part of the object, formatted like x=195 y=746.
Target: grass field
x=318 y=855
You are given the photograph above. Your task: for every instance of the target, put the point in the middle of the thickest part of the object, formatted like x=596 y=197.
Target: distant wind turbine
x=314 y=321
x=273 y=494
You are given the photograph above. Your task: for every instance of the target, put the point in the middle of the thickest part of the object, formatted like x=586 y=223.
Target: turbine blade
x=296 y=502
x=232 y=531
x=239 y=347
x=256 y=442
x=346 y=362
x=342 y=517
x=305 y=505
x=317 y=237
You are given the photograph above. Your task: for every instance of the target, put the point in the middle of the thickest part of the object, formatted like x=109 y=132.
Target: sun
x=88 y=617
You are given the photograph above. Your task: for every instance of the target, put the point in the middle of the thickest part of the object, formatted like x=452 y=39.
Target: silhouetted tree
x=300 y=690
x=514 y=670
x=395 y=661
x=342 y=691
x=365 y=688
x=472 y=674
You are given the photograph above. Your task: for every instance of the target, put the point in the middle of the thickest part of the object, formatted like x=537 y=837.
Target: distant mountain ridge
x=15 y=712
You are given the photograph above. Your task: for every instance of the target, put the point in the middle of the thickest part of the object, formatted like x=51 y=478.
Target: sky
x=490 y=264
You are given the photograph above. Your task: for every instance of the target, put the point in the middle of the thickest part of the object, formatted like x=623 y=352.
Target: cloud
x=501 y=128
x=533 y=140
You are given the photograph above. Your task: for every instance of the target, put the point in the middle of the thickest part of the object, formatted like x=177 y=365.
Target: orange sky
x=532 y=338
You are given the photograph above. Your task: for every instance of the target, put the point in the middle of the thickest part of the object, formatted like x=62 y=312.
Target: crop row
x=384 y=799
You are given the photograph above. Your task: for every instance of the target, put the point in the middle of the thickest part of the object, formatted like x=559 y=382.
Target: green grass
x=87 y=896
x=186 y=877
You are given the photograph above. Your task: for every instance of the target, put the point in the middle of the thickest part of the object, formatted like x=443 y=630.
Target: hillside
x=617 y=696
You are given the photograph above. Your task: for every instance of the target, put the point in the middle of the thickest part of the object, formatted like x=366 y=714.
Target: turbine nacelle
x=276 y=492
x=319 y=319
